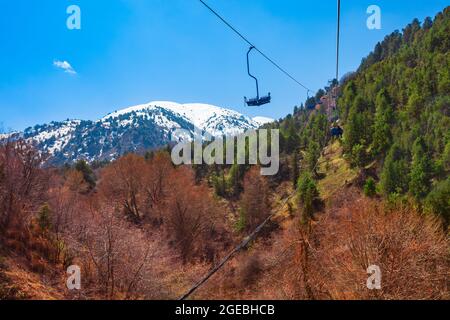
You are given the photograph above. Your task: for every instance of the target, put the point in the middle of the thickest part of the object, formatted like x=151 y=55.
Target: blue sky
x=135 y=51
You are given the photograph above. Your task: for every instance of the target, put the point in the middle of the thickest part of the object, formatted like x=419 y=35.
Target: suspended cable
x=252 y=45
x=244 y=244
x=338 y=40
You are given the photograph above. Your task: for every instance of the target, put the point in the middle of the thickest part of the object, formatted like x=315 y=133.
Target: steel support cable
x=252 y=45
x=244 y=243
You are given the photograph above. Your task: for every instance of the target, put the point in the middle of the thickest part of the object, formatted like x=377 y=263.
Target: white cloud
x=64 y=65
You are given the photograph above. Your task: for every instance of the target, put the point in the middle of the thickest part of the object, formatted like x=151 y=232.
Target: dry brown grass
x=336 y=169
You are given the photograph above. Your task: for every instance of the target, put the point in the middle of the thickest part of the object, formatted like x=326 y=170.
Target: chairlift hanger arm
x=248 y=70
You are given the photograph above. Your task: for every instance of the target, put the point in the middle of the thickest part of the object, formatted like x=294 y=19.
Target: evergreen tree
x=310 y=103
x=320 y=93
x=44 y=218
x=420 y=175
x=307 y=195
x=438 y=201
x=292 y=139
x=410 y=31
x=312 y=156
x=295 y=169
x=446 y=157
x=394 y=176
x=235 y=177
x=88 y=175
x=370 y=187
x=356 y=125
x=382 y=136
x=428 y=23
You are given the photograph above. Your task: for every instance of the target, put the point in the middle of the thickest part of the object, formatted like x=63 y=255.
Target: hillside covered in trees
x=396 y=111
x=141 y=228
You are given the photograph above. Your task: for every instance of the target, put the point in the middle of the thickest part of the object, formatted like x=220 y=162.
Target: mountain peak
x=207 y=117
x=134 y=129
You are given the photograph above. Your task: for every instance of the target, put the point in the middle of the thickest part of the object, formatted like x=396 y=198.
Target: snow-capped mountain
x=262 y=120
x=134 y=129
x=212 y=119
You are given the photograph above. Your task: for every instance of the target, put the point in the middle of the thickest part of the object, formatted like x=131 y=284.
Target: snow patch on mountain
x=212 y=119
x=262 y=120
x=133 y=129
x=54 y=136
x=4 y=136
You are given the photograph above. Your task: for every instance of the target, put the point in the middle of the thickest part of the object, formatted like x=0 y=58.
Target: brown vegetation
x=22 y=183
x=149 y=230
x=255 y=203
x=331 y=262
x=411 y=251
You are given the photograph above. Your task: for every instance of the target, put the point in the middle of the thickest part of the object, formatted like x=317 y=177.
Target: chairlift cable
x=242 y=245
x=338 y=40
x=338 y=37
x=252 y=45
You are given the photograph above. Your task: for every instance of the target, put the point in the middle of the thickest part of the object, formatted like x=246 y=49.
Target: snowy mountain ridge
x=133 y=129
x=212 y=119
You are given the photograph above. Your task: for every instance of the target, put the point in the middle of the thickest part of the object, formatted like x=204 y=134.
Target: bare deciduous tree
x=123 y=182
x=23 y=184
x=190 y=214
x=255 y=202
x=120 y=255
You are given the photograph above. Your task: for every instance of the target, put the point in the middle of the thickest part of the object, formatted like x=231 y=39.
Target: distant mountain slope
x=215 y=120
x=133 y=129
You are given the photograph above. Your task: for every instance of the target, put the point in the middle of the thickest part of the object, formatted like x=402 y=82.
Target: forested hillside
x=396 y=111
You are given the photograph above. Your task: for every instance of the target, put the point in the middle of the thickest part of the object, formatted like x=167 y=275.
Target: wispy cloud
x=64 y=65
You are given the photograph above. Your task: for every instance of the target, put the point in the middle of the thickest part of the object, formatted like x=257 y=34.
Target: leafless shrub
x=23 y=184
x=136 y=186
x=119 y=255
x=255 y=202
x=411 y=250
x=190 y=213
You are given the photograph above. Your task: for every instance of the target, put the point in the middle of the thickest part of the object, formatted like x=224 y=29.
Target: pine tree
x=292 y=139
x=307 y=195
x=219 y=184
x=446 y=157
x=370 y=187
x=235 y=178
x=312 y=156
x=356 y=124
x=420 y=175
x=415 y=104
x=44 y=218
x=394 y=176
x=88 y=175
x=295 y=169
x=382 y=136
x=438 y=201
x=428 y=23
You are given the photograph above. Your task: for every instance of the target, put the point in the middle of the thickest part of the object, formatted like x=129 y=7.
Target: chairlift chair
x=258 y=101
